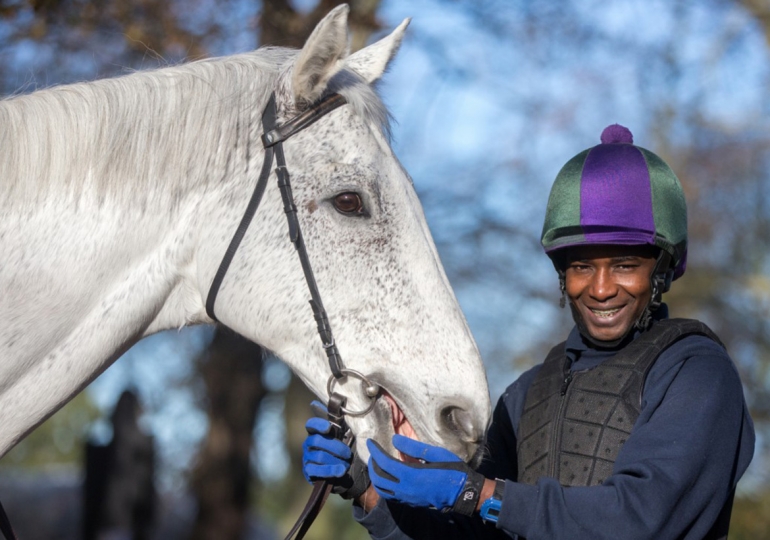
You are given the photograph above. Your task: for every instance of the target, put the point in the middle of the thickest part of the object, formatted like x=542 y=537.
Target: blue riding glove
x=440 y=479
x=329 y=459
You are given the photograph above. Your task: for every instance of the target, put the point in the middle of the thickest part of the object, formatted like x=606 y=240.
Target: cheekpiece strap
x=272 y=138
x=268 y=121
x=295 y=232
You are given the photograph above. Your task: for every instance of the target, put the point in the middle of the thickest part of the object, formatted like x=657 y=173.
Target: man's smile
x=604 y=313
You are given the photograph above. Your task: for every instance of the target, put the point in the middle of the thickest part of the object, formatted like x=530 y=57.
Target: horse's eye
x=349 y=203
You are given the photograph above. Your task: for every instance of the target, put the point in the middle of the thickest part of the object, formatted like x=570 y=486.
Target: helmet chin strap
x=660 y=281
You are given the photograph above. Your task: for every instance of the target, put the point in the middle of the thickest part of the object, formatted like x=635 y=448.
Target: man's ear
x=372 y=61
x=322 y=56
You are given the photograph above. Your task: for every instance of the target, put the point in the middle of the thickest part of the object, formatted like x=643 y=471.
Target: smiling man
x=609 y=288
x=635 y=427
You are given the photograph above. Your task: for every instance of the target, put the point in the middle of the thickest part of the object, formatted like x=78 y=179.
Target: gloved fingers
x=384 y=483
x=386 y=465
x=384 y=476
x=321 y=457
x=335 y=447
x=319 y=463
x=422 y=451
x=318 y=425
x=319 y=409
x=315 y=471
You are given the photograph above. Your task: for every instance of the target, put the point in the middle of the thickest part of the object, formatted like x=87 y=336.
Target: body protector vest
x=574 y=424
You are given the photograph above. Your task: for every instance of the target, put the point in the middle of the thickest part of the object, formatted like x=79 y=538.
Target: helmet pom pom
x=617 y=134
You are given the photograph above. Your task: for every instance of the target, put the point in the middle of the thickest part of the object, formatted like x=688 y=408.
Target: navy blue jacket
x=691 y=443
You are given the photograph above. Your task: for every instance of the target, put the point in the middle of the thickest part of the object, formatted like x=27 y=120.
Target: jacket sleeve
x=393 y=521
x=678 y=468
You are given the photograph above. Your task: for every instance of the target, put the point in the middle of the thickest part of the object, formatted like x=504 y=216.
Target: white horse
x=118 y=199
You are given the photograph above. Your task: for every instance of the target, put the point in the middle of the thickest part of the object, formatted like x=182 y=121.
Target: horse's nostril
x=460 y=421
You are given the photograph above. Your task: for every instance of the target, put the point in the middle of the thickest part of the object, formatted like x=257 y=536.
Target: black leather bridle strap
x=321 y=489
x=278 y=134
x=295 y=235
x=318 y=496
x=268 y=118
x=5 y=525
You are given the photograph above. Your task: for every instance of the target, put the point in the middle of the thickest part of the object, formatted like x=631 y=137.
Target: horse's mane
x=176 y=125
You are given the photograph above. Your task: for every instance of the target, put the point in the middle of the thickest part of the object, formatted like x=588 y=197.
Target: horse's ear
x=372 y=61
x=322 y=56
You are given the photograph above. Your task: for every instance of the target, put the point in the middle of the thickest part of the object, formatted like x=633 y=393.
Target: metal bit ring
x=371 y=390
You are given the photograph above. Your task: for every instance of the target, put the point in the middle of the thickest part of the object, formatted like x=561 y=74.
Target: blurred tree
x=760 y=10
x=119 y=497
x=751 y=517
x=282 y=24
x=221 y=480
x=83 y=39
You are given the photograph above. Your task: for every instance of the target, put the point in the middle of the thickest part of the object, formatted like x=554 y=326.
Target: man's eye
x=349 y=203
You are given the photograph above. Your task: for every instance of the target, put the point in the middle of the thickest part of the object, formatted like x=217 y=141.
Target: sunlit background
x=490 y=98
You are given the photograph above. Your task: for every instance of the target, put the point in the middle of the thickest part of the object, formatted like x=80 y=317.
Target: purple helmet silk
x=617 y=193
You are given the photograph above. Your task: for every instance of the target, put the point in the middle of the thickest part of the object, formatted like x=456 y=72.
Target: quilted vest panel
x=575 y=423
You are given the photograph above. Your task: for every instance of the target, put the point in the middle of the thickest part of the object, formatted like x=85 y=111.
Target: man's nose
x=603 y=287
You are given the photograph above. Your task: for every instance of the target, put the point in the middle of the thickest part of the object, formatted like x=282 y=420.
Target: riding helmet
x=621 y=194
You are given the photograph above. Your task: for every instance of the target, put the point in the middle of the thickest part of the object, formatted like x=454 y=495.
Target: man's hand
x=438 y=479
x=328 y=459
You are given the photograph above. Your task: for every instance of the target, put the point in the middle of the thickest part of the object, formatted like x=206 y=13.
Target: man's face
x=609 y=286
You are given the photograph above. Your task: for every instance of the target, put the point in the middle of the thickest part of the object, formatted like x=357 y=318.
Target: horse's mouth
x=401 y=425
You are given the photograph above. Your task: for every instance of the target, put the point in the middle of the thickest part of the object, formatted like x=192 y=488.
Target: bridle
x=272 y=140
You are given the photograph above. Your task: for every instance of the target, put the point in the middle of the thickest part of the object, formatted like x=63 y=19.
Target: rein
x=5 y=525
x=272 y=140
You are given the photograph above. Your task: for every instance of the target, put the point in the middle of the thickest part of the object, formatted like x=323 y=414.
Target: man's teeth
x=605 y=312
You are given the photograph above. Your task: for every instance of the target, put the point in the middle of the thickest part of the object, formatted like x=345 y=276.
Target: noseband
x=272 y=140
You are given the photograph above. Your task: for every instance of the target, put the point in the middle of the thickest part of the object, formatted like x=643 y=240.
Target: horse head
x=390 y=305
